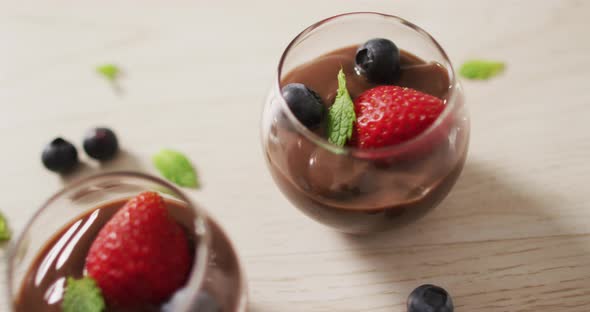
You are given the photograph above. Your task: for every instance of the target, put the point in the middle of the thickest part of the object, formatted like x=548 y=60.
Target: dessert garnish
x=82 y=295
x=381 y=116
x=101 y=143
x=176 y=167
x=60 y=156
x=388 y=115
x=341 y=115
x=430 y=298
x=5 y=232
x=141 y=255
x=109 y=71
x=379 y=60
x=481 y=69
x=305 y=104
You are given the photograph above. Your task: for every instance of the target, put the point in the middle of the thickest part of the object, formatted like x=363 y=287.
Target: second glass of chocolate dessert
x=138 y=240
x=365 y=127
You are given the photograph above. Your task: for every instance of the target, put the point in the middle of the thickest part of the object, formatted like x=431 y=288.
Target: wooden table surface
x=513 y=235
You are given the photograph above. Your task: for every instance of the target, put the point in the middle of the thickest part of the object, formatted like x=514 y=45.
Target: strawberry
x=388 y=115
x=141 y=255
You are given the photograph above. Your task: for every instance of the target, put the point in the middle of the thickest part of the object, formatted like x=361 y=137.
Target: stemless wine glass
x=66 y=219
x=364 y=190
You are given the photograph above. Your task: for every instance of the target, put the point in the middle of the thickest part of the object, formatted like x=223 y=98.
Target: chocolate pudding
x=359 y=191
x=64 y=256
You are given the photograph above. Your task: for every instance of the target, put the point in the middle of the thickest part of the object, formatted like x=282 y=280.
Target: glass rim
x=450 y=101
x=199 y=268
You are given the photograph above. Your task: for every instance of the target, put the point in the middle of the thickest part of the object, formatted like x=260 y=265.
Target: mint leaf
x=82 y=295
x=109 y=71
x=5 y=232
x=176 y=167
x=341 y=116
x=481 y=69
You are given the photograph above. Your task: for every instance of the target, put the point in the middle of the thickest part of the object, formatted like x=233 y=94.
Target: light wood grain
x=514 y=234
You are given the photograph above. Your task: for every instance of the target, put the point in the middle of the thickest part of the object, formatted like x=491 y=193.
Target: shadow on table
x=493 y=243
x=123 y=161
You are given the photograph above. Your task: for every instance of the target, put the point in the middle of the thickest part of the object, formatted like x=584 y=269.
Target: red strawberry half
x=141 y=255
x=388 y=115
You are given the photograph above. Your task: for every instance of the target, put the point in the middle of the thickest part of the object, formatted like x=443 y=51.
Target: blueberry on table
x=305 y=104
x=378 y=60
x=59 y=156
x=430 y=298
x=101 y=143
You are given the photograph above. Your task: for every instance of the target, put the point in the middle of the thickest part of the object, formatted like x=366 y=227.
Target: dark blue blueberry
x=60 y=156
x=378 y=60
x=305 y=104
x=430 y=298
x=101 y=143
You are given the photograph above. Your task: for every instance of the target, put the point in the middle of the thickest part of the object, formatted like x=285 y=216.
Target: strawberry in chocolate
x=141 y=255
x=389 y=115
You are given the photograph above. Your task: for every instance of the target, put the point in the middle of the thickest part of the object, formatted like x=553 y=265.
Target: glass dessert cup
x=364 y=190
x=58 y=235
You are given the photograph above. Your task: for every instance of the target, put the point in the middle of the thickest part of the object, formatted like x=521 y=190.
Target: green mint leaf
x=82 y=295
x=481 y=69
x=341 y=116
x=5 y=232
x=109 y=71
x=176 y=167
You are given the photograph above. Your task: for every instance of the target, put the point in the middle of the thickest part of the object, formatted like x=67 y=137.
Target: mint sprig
x=5 y=232
x=176 y=167
x=481 y=69
x=341 y=115
x=109 y=71
x=82 y=295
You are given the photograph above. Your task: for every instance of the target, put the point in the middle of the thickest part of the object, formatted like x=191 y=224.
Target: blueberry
x=59 y=156
x=430 y=298
x=305 y=104
x=378 y=60
x=101 y=143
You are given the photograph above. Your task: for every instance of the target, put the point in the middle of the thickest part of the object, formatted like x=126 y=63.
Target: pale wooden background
x=514 y=235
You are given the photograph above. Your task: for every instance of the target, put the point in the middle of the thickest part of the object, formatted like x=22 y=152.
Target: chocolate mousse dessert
x=366 y=136
x=130 y=255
